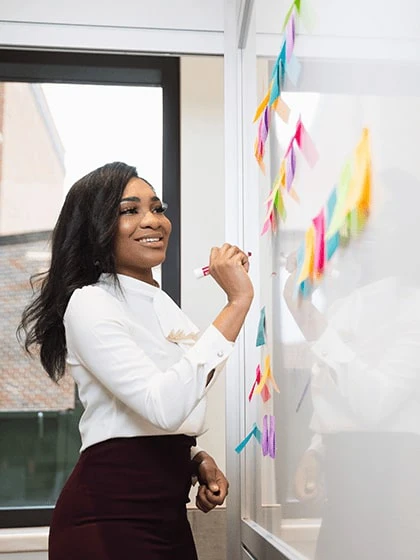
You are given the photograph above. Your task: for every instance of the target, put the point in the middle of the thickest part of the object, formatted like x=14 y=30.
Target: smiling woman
x=143 y=231
x=141 y=369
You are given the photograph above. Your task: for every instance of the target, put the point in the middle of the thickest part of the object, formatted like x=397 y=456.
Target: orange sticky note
x=282 y=109
x=262 y=106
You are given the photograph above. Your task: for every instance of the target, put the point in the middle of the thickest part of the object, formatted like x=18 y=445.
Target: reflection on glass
x=51 y=135
x=347 y=359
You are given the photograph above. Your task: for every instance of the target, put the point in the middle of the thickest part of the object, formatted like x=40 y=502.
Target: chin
x=153 y=263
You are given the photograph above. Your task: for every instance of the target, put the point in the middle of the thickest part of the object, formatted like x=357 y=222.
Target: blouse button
x=220 y=353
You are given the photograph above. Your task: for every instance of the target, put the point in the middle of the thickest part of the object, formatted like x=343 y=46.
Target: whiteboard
x=361 y=364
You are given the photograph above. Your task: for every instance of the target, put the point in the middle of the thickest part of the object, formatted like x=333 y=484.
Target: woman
x=142 y=371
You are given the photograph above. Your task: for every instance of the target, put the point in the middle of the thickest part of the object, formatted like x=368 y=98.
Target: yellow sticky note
x=267 y=375
x=308 y=263
x=359 y=187
x=262 y=106
x=340 y=209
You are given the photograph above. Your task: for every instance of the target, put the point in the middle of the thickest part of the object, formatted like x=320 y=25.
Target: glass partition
x=345 y=356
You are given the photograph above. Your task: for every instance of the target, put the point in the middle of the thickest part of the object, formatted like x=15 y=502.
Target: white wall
x=160 y=14
x=384 y=29
x=202 y=211
x=142 y=26
x=356 y=29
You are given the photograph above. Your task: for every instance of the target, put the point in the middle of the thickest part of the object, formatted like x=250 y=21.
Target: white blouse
x=367 y=375
x=138 y=362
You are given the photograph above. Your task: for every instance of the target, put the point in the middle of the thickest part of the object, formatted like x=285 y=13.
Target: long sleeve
x=99 y=338
x=375 y=389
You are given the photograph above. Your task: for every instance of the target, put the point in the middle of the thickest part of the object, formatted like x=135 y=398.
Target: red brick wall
x=24 y=385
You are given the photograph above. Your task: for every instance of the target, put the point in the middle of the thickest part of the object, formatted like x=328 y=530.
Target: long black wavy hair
x=82 y=247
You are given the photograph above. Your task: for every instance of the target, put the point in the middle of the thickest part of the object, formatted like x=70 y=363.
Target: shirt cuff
x=195 y=451
x=331 y=349
x=317 y=445
x=212 y=349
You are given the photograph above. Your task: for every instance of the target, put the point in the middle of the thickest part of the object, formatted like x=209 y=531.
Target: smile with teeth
x=150 y=239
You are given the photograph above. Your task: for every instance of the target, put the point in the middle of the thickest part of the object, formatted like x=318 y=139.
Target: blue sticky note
x=275 y=86
x=293 y=69
x=332 y=245
x=261 y=329
x=255 y=431
x=243 y=443
x=334 y=241
x=279 y=60
x=306 y=288
x=332 y=201
x=282 y=55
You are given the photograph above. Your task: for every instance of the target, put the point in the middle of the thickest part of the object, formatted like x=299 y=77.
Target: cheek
x=121 y=239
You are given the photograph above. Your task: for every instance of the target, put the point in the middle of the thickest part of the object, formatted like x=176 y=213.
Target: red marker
x=205 y=270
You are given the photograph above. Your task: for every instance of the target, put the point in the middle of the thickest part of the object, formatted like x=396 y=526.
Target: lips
x=151 y=240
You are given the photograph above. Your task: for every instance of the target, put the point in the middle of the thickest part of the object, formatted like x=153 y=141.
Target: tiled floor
x=209 y=531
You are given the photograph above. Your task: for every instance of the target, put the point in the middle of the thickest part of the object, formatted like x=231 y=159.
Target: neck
x=144 y=276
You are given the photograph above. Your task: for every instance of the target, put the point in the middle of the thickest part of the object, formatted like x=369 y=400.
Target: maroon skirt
x=126 y=498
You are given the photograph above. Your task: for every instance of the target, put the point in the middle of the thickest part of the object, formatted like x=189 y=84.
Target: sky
x=98 y=124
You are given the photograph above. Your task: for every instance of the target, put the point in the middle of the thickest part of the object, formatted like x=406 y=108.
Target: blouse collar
x=176 y=326
x=130 y=284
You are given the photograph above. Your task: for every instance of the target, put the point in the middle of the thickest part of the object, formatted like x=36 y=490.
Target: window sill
x=28 y=539
x=300 y=530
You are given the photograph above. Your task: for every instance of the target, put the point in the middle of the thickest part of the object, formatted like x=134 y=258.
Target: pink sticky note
x=319 y=256
x=290 y=167
x=252 y=391
x=266 y=226
x=265 y=393
x=306 y=145
x=257 y=380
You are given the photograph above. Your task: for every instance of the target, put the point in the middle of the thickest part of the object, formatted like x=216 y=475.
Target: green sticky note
x=261 y=329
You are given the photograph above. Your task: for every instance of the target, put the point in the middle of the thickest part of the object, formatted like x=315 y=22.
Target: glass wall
x=344 y=347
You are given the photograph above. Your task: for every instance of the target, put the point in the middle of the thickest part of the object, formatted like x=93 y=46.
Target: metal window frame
x=38 y=66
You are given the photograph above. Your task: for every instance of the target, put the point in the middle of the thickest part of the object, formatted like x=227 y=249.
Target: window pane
x=51 y=135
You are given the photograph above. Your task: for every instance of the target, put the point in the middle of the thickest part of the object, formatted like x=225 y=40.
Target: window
x=62 y=115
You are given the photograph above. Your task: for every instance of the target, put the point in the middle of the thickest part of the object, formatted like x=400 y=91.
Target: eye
x=160 y=209
x=129 y=210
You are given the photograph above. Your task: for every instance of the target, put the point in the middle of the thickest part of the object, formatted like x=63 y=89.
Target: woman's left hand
x=213 y=487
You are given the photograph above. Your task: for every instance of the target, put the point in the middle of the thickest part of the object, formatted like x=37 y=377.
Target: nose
x=148 y=219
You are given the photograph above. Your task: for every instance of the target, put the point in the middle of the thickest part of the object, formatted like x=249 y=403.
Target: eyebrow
x=137 y=199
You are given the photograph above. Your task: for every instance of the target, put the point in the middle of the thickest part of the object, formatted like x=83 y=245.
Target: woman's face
x=142 y=233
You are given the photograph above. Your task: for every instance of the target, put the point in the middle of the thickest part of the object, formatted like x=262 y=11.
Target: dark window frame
x=109 y=69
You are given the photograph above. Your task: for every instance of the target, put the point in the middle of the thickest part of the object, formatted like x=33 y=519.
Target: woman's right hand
x=308 y=484
x=229 y=267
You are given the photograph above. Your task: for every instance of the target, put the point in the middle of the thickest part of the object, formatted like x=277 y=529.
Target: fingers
x=227 y=251
x=213 y=487
x=223 y=486
x=307 y=483
x=291 y=262
x=214 y=254
x=206 y=500
x=202 y=501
